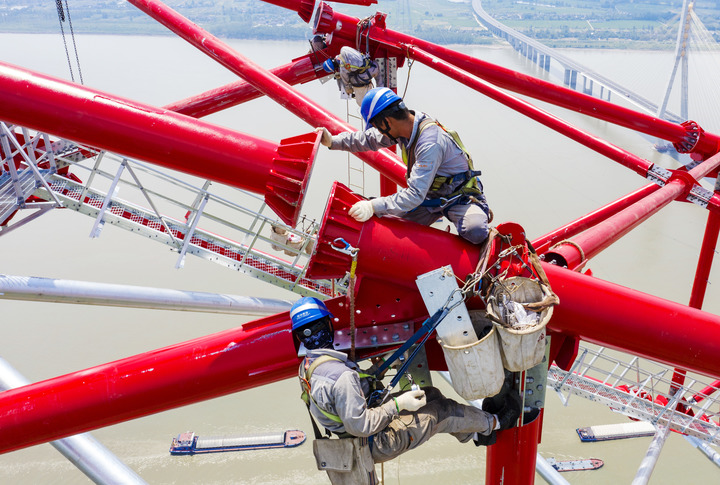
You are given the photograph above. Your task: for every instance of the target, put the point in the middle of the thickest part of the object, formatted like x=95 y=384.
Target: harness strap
x=363 y=68
x=408 y=153
x=470 y=187
x=305 y=374
x=306 y=371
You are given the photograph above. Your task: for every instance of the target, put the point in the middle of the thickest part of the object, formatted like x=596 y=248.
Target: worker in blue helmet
x=354 y=72
x=441 y=179
x=336 y=392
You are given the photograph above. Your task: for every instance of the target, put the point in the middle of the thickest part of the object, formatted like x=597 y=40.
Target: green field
x=603 y=23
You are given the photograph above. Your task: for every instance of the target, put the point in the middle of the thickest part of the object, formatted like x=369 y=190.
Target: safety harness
x=469 y=185
x=359 y=75
x=305 y=373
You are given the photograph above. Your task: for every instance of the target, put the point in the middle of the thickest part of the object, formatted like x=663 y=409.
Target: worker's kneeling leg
x=471 y=222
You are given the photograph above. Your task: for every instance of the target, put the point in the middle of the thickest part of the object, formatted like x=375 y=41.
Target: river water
x=532 y=176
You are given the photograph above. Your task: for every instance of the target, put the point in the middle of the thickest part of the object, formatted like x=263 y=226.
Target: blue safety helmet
x=329 y=65
x=307 y=310
x=377 y=100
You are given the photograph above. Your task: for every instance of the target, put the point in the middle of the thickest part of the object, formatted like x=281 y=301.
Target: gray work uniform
x=436 y=154
x=338 y=389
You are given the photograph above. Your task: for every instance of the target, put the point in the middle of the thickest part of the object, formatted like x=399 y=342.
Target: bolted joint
x=693 y=134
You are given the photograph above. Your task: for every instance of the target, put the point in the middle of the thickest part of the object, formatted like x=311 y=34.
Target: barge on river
x=190 y=444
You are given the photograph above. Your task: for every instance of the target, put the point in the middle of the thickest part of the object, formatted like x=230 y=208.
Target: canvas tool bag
x=347 y=461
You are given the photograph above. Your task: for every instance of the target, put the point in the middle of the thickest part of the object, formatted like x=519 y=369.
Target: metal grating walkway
x=247 y=258
x=213 y=226
x=640 y=389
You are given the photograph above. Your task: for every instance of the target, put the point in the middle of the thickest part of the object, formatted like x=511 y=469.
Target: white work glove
x=410 y=401
x=362 y=211
x=326 y=138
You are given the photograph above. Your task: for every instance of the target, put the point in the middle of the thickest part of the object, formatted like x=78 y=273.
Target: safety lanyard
x=427 y=328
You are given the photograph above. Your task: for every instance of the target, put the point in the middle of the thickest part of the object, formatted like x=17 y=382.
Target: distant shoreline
x=497 y=43
x=574 y=26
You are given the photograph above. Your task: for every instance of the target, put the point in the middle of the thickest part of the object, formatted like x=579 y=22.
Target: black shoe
x=495 y=403
x=510 y=412
x=484 y=440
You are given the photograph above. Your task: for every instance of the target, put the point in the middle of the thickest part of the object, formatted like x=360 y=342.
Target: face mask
x=319 y=340
x=319 y=335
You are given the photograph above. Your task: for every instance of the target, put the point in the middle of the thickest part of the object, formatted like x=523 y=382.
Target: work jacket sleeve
x=351 y=407
x=428 y=158
x=360 y=141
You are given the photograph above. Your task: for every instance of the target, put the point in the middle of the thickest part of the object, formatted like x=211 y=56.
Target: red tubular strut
x=384 y=161
x=544 y=243
x=707 y=254
x=600 y=237
x=263 y=352
x=192 y=371
x=631 y=321
x=345 y=26
x=513 y=456
x=601 y=146
x=161 y=137
x=299 y=71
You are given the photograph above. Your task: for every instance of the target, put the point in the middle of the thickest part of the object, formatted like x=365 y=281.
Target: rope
x=363 y=26
x=351 y=296
x=573 y=244
x=407 y=81
x=61 y=18
x=72 y=34
x=342 y=246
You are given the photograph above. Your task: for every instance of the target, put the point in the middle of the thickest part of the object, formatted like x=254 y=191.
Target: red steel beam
x=544 y=243
x=707 y=254
x=600 y=237
x=628 y=320
x=159 y=136
x=215 y=365
x=262 y=352
x=300 y=70
x=384 y=161
x=304 y=8
x=345 y=26
x=513 y=457
x=593 y=142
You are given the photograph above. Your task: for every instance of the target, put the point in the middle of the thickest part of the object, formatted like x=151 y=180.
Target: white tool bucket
x=476 y=369
x=522 y=332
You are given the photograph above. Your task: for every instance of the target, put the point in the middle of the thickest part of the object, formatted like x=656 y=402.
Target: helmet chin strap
x=385 y=130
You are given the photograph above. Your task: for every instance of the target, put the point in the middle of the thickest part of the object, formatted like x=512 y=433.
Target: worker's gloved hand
x=326 y=138
x=510 y=412
x=411 y=400
x=362 y=211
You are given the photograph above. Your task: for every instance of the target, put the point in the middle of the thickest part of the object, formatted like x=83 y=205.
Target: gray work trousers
x=470 y=220
x=440 y=415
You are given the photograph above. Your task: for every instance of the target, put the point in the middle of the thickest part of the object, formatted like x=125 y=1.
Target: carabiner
x=449 y=304
x=345 y=247
x=510 y=250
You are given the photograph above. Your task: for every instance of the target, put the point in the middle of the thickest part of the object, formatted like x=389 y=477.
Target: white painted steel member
x=104 y=294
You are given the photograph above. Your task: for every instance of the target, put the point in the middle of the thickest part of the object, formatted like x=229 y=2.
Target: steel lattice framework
x=41 y=112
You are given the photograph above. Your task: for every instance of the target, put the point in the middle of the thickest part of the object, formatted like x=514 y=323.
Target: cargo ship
x=190 y=444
